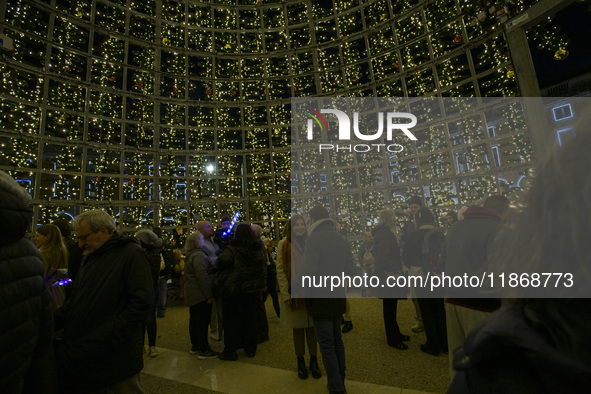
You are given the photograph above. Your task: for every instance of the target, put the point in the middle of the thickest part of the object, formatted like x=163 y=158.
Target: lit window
x=562 y=112
x=496 y=155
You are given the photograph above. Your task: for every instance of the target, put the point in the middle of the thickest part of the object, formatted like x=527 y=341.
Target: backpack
x=431 y=249
x=368 y=258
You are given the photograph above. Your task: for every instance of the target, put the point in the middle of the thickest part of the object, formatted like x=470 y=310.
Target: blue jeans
x=330 y=342
x=162 y=295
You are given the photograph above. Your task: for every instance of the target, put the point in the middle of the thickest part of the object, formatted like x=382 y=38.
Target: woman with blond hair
x=55 y=260
x=294 y=313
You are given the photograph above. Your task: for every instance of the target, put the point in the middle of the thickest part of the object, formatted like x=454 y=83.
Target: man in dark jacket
x=327 y=254
x=414 y=204
x=26 y=330
x=421 y=253
x=101 y=345
x=469 y=249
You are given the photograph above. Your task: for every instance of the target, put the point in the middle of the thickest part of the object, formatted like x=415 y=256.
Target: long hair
x=194 y=241
x=54 y=252
x=388 y=218
x=291 y=224
x=245 y=237
x=552 y=233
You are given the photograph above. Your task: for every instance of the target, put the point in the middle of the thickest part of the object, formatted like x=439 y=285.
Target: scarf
x=298 y=259
x=476 y=212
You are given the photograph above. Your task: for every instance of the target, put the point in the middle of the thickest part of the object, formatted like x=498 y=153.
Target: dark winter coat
x=543 y=347
x=388 y=261
x=26 y=326
x=221 y=241
x=407 y=229
x=154 y=259
x=469 y=249
x=327 y=253
x=198 y=280
x=411 y=255
x=240 y=270
x=102 y=339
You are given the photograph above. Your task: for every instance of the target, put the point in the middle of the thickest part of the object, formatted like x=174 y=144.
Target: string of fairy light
x=117 y=88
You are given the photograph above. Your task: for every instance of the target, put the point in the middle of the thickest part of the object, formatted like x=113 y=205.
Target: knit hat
x=148 y=237
x=415 y=200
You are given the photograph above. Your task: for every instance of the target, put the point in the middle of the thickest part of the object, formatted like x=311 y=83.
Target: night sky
x=575 y=21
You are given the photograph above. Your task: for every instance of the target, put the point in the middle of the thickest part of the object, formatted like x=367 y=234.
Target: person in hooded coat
x=241 y=275
x=27 y=361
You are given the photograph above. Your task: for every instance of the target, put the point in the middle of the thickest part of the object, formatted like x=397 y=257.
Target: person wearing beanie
x=152 y=245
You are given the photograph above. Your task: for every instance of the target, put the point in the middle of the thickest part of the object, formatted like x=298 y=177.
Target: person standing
x=327 y=253
x=74 y=251
x=261 y=316
x=414 y=204
x=152 y=245
x=450 y=218
x=26 y=308
x=219 y=239
x=388 y=262
x=198 y=295
x=271 y=276
x=216 y=327
x=55 y=258
x=290 y=254
x=164 y=275
x=422 y=251
x=365 y=257
x=469 y=248
x=101 y=346
x=240 y=277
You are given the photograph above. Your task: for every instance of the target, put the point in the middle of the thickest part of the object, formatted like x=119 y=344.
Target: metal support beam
x=523 y=65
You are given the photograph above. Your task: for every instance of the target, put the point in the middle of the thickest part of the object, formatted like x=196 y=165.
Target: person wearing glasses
x=102 y=342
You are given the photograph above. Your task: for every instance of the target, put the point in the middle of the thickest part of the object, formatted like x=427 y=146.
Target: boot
x=302 y=371
x=316 y=374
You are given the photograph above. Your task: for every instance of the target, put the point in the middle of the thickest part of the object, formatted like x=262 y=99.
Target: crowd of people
x=79 y=307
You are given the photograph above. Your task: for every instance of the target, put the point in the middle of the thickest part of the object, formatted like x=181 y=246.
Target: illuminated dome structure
x=175 y=110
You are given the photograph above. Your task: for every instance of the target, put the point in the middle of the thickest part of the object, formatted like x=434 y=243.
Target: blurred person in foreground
x=541 y=345
x=26 y=329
